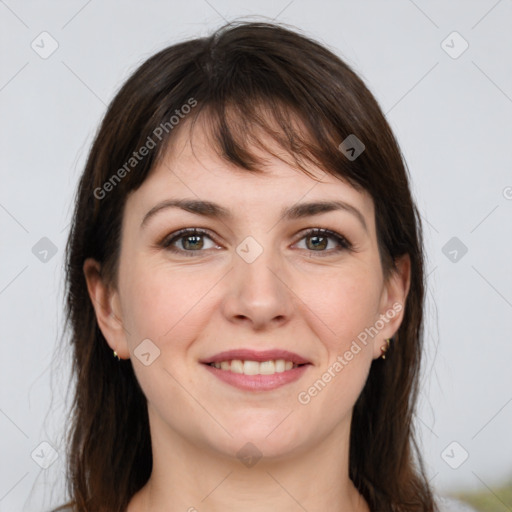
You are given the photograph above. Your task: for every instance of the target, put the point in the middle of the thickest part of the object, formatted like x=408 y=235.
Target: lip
x=257 y=382
x=253 y=355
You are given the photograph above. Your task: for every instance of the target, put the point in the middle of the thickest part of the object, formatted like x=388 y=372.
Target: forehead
x=192 y=168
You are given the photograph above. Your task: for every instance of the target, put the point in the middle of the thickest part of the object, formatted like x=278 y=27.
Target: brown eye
x=192 y=241
x=317 y=240
x=187 y=241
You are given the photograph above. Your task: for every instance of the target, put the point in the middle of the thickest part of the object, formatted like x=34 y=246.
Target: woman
x=245 y=289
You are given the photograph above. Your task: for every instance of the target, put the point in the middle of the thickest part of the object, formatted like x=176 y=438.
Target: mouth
x=257 y=371
x=249 y=367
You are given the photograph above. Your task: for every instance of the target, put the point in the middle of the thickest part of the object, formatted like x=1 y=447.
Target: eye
x=319 y=241
x=190 y=239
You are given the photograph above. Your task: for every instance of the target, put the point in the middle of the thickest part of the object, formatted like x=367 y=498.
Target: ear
x=392 y=304
x=105 y=301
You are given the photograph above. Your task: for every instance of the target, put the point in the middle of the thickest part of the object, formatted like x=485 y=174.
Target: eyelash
x=166 y=243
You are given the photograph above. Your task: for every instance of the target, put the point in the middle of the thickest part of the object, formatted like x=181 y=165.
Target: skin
x=291 y=297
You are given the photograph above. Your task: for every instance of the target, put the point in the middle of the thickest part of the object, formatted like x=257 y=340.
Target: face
x=256 y=278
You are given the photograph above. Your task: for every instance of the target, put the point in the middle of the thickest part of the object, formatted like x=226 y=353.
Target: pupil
x=315 y=244
x=197 y=239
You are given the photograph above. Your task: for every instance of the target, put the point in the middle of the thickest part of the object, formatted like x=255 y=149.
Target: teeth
x=255 y=367
x=237 y=366
x=251 y=367
x=280 y=365
x=265 y=368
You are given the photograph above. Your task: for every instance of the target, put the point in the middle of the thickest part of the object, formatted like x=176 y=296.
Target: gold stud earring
x=385 y=348
x=115 y=355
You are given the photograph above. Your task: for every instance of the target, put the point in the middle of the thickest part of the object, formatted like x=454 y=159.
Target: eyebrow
x=216 y=211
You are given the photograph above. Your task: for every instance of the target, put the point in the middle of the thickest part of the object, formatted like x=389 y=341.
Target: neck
x=195 y=478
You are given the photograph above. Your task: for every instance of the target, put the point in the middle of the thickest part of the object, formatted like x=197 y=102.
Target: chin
x=263 y=441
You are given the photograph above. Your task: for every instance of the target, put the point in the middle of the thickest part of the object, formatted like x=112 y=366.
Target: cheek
x=161 y=305
x=340 y=307
x=168 y=308
x=344 y=303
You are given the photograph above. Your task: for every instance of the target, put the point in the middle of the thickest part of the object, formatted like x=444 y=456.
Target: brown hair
x=234 y=76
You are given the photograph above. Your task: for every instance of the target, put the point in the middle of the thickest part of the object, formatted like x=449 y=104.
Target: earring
x=385 y=348
x=115 y=355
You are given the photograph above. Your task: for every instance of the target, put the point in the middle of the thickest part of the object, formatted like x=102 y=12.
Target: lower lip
x=258 y=382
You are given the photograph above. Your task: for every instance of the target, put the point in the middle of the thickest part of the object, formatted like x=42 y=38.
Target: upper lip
x=245 y=354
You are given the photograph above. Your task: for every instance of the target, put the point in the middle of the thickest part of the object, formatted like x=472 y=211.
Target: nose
x=257 y=293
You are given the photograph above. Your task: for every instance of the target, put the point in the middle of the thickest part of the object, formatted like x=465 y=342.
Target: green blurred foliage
x=497 y=499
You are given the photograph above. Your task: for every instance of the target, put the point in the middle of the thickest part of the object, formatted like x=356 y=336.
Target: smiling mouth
x=248 y=367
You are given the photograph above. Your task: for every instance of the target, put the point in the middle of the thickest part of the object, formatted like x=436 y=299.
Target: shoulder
x=452 y=505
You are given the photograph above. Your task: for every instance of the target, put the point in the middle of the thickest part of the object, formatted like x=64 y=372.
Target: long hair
x=245 y=79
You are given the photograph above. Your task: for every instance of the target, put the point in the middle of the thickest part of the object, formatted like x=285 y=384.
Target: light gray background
x=452 y=117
